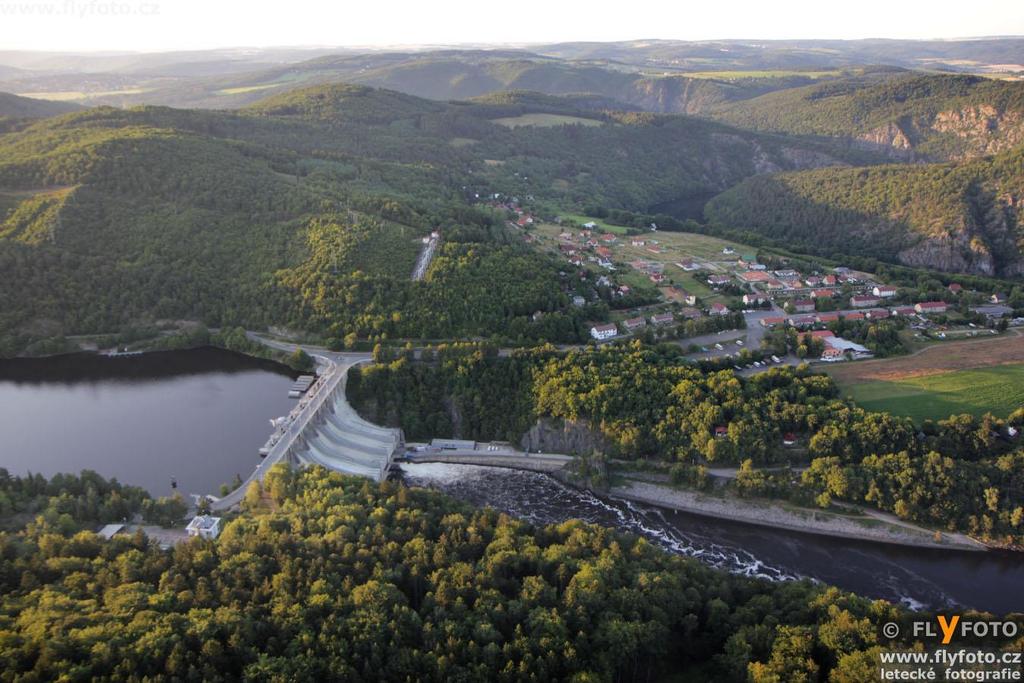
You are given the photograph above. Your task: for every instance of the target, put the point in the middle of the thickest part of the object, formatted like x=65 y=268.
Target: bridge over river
x=325 y=430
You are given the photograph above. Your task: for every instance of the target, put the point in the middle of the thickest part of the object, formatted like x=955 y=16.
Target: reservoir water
x=198 y=417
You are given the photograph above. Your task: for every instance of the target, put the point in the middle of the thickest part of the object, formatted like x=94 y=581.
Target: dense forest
x=331 y=578
x=307 y=210
x=953 y=217
x=636 y=401
x=907 y=114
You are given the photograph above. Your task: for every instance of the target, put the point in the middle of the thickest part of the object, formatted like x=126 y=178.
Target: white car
x=719 y=347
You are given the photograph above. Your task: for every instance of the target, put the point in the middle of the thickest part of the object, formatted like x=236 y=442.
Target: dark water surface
x=918 y=578
x=197 y=416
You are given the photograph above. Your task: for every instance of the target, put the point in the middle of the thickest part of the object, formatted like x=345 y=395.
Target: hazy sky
x=191 y=24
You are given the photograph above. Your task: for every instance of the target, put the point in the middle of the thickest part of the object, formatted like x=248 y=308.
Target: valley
x=664 y=360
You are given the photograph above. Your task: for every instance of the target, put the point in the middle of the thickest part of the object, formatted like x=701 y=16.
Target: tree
x=300 y=360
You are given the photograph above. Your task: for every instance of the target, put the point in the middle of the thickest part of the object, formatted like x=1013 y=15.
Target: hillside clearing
x=545 y=120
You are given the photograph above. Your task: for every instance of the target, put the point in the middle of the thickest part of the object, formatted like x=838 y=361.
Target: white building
x=884 y=291
x=204 y=526
x=602 y=332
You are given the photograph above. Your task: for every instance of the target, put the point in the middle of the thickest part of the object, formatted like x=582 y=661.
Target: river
x=197 y=416
x=914 y=577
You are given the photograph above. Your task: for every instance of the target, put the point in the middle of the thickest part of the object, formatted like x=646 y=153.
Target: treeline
x=961 y=474
x=330 y=578
x=70 y=503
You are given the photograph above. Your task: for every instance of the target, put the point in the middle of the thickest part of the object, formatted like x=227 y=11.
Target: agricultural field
x=76 y=95
x=545 y=120
x=998 y=390
x=958 y=377
x=781 y=73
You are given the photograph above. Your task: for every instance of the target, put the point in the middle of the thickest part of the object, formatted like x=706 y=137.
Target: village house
x=955 y=287
x=884 y=291
x=878 y=313
x=663 y=319
x=774 y=286
x=634 y=324
x=904 y=311
x=637 y=243
x=687 y=265
x=608 y=238
x=831 y=355
x=828 y=317
x=802 y=321
x=603 y=252
x=830 y=281
x=204 y=526
x=998 y=298
x=719 y=280
x=821 y=334
x=718 y=309
x=687 y=298
x=657 y=278
x=803 y=305
x=931 y=307
x=753 y=299
x=787 y=274
x=853 y=316
x=602 y=332
x=772 y=321
x=812 y=281
x=864 y=300
x=689 y=313
x=821 y=294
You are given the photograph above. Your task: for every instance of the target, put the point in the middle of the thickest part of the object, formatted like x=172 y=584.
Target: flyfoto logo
x=949 y=627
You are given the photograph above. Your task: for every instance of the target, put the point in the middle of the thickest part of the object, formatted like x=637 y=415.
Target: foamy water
x=907 y=576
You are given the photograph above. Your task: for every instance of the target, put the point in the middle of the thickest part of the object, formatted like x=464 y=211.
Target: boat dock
x=301 y=386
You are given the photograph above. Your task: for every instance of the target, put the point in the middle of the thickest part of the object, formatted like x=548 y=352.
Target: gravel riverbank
x=776 y=516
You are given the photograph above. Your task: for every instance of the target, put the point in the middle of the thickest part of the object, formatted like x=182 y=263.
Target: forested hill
x=307 y=209
x=14 y=108
x=956 y=217
x=907 y=115
x=329 y=578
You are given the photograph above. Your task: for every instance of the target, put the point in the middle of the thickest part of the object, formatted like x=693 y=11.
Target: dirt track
x=936 y=359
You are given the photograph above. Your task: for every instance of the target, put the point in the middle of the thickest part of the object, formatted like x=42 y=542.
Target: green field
x=544 y=120
x=998 y=390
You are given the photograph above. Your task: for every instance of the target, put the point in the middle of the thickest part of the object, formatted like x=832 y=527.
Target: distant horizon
x=471 y=45
x=118 y=26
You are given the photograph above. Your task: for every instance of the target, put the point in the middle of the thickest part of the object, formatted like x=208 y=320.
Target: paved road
x=333 y=367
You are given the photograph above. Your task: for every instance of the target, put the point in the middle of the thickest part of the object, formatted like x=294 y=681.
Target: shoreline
x=771 y=515
x=762 y=513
